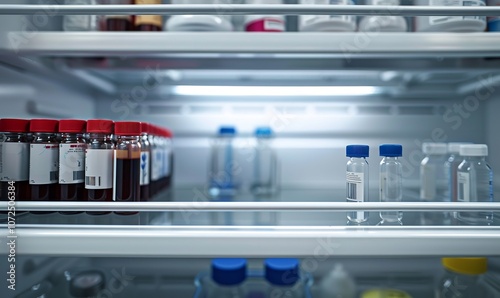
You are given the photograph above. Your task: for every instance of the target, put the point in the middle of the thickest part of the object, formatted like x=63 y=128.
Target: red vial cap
x=153 y=129
x=128 y=128
x=14 y=125
x=100 y=126
x=44 y=125
x=145 y=128
x=72 y=126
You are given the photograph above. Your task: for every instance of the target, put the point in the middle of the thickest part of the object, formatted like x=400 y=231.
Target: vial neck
x=129 y=138
x=391 y=158
x=99 y=137
x=43 y=137
x=464 y=279
x=475 y=158
x=71 y=137
x=13 y=137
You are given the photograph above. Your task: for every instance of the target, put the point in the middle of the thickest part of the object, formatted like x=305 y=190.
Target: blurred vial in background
x=391 y=180
x=228 y=276
x=222 y=169
x=81 y=22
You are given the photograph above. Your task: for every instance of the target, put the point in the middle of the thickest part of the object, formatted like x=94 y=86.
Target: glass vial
x=222 y=169
x=282 y=276
x=145 y=162
x=44 y=160
x=148 y=22
x=463 y=278
x=228 y=275
x=99 y=162
x=127 y=164
x=216 y=22
x=72 y=162
x=14 y=159
x=451 y=168
x=357 y=179
x=391 y=180
x=475 y=183
x=87 y=284
x=265 y=166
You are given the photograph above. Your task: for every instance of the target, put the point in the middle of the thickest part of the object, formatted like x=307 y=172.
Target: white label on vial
x=44 y=164
x=428 y=187
x=433 y=20
x=71 y=163
x=14 y=161
x=355 y=189
x=145 y=168
x=463 y=180
x=274 y=24
x=99 y=169
x=157 y=165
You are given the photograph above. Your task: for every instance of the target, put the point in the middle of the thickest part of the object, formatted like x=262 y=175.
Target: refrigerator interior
x=381 y=99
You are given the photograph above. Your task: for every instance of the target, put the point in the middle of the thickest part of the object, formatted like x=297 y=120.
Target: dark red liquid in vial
x=44 y=193
x=99 y=195
x=128 y=188
x=71 y=193
x=148 y=28
x=118 y=24
x=145 y=193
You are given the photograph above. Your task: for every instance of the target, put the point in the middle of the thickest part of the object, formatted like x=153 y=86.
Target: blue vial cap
x=282 y=272
x=391 y=150
x=357 y=151
x=227 y=131
x=263 y=132
x=229 y=272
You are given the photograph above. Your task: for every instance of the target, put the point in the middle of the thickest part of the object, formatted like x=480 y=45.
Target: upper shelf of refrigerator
x=399 y=64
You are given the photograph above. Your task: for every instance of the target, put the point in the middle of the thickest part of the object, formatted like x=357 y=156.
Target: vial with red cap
x=99 y=162
x=72 y=161
x=44 y=160
x=128 y=163
x=14 y=159
x=145 y=161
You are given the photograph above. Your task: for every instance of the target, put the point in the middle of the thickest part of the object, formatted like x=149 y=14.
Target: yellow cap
x=471 y=266
x=385 y=293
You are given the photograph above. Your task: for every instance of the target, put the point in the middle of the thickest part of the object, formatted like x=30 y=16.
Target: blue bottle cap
x=282 y=272
x=227 y=131
x=391 y=150
x=263 y=132
x=357 y=151
x=229 y=272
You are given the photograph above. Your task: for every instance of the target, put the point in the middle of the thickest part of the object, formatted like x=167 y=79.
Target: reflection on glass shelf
x=263 y=218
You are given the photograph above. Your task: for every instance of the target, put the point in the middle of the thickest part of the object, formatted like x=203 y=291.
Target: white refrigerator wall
x=311 y=134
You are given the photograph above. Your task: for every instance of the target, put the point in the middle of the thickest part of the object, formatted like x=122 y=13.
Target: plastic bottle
x=433 y=178
x=222 y=169
x=265 y=166
x=333 y=23
x=88 y=284
x=14 y=159
x=450 y=23
x=148 y=22
x=463 y=278
x=80 y=22
x=145 y=161
x=263 y=23
x=357 y=179
x=44 y=160
x=99 y=162
x=127 y=173
x=383 y=23
x=283 y=278
x=451 y=167
x=475 y=183
x=391 y=180
x=228 y=276
x=72 y=162
x=216 y=22
x=338 y=283
x=493 y=22
x=119 y=22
